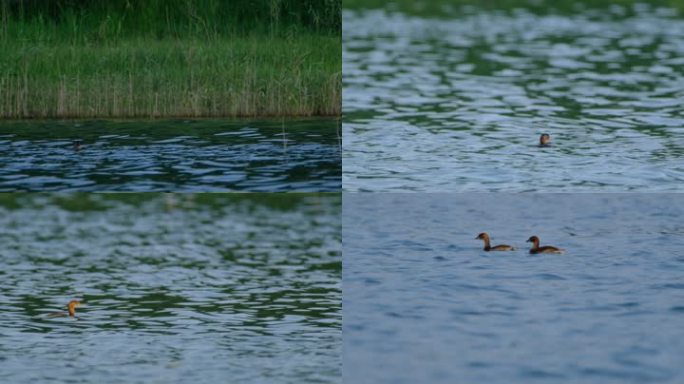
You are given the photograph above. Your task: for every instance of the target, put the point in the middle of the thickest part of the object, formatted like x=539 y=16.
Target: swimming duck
x=71 y=307
x=544 y=140
x=77 y=145
x=503 y=247
x=545 y=249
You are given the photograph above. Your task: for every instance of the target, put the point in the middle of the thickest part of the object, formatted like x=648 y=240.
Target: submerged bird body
x=544 y=140
x=487 y=247
x=545 y=249
x=71 y=308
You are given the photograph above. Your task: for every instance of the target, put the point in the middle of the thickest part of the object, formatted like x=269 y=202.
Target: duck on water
x=544 y=140
x=71 y=310
x=487 y=247
x=545 y=249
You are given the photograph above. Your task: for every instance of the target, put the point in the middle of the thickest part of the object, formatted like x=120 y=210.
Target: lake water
x=456 y=101
x=190 y=156
x=423 y=303
x=196 y=288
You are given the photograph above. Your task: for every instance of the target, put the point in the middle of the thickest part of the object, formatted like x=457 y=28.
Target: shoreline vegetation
x=169 y=58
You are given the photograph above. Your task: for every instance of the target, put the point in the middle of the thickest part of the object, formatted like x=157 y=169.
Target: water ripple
x=203 y=286
x=439 y=309
x=457 y=103
x=205 y=155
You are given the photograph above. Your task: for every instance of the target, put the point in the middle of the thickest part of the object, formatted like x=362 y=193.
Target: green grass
x=171 y=18
x=248 y=76
x=171 y=58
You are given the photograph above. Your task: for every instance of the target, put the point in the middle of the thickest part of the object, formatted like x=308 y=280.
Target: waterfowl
x=71 y=308
x=77 y=145
x=545 y=249
x=502 y=247
x=544 y=140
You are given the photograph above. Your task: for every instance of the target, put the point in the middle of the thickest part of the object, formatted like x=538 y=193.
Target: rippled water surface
x=199 y=155
x=424 y=304
x=457 y=101
x=177 y=288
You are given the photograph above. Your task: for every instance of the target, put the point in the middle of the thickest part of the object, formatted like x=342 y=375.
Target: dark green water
x=181 y=155
x=202 y=288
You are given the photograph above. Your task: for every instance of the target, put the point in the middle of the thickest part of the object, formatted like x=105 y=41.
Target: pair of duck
x=503 y=247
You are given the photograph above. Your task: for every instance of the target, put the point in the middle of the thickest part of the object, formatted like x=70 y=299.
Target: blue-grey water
x=423 y=303
x=181 y=155
x=455 y=99
x=240 y=288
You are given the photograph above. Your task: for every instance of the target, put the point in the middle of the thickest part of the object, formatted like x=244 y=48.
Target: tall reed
x=160 y=58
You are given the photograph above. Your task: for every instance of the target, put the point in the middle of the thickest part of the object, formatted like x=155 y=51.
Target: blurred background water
x=453 y=95
x=182 y=155
x=423 y=303
x=204 y=288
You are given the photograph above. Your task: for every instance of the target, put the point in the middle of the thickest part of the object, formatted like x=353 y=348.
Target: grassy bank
x=247 y=76
x=201 y=61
